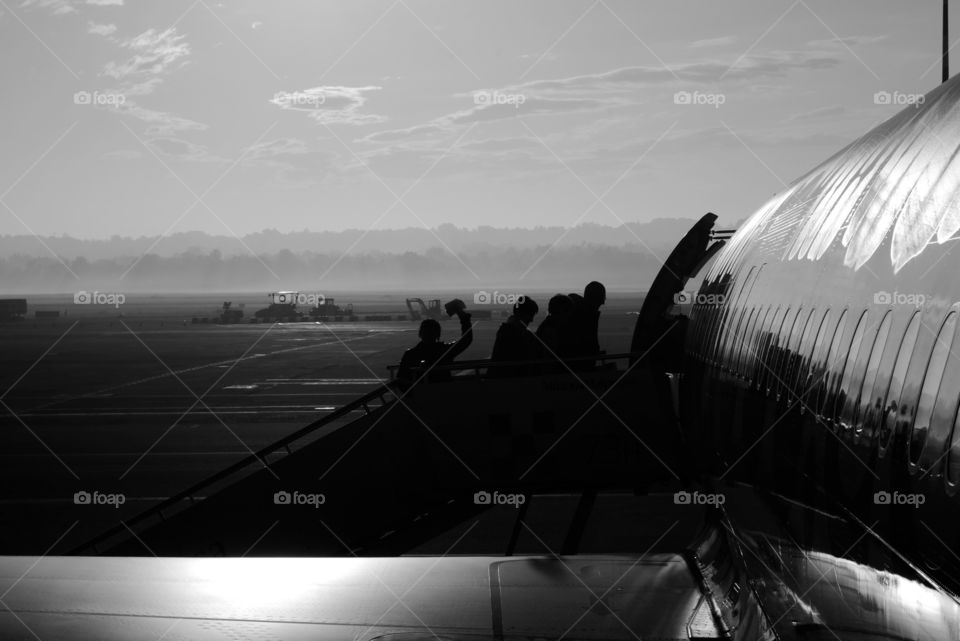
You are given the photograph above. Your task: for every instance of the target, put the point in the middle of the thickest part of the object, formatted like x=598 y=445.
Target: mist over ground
x=623 y=257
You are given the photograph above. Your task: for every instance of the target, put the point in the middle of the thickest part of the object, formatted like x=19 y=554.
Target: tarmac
x=145 y=407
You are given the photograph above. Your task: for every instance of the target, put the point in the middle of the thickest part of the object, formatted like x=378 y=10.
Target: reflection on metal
x=610 y=598
x=716 y=561
x=901 y=179
x=809 y=591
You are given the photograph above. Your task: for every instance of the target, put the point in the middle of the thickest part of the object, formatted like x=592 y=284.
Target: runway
x=144 y=409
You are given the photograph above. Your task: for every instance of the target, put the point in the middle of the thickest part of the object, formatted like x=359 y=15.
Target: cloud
x=601 y=91
x=432 y=129
x=501 y=144
x=531 y=106
x=64 y=7
x=820 y=112
x=713 y=42
x=160 y=123
x=57 y=7
x=488 y=112
x=846 y=41
x=270 y=150
x=101 y=29
x=182 y=149
x=330 y=105
x=154 y=54
x=752 y=68
x=295 y=163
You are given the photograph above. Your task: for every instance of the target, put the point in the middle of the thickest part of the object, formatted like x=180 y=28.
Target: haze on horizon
x=234 y=117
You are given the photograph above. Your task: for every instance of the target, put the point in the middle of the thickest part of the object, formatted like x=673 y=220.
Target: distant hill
x=482 y=259
x=657 y=234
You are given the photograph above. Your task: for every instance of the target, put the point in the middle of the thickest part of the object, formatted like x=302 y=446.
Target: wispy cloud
x=606 y=90
x=181 y=149
x=159 y=123
x=64 y=7
x=295 y=164
x=713 y=42
x=330 y=105
x=154 y=54
x=821 y=112
x=101 y=29
x=847 y=41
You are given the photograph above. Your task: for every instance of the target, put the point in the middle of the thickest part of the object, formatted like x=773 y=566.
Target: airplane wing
x=355 y=599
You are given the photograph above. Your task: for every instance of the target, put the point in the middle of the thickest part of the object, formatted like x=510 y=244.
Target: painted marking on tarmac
x=328 y=381
x=276 y=409
x=186 y=370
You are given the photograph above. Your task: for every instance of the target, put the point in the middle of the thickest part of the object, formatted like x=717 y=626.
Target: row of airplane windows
x=866 y=382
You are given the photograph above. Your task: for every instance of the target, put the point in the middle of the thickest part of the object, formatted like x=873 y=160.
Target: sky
x=144 y=118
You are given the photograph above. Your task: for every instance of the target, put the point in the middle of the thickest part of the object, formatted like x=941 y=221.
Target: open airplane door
x=656 y=336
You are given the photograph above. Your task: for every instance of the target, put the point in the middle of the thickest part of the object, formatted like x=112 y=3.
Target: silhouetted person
x=431 y=351
x=585 y=323
x=554 y=331
x=515 y=342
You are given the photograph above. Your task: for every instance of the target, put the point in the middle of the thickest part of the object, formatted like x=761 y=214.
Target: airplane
x=817 y=362
x=821 y=350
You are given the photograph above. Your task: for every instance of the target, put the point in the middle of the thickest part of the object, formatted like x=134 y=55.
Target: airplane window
x=729 y=312
x=701 y=335
x=730 y=345
x=793 y=344
x=767 y=339
x=931 y=385
x=778 y=350
x=953 y=459
x=797 y=335
x=709 y=335
x=747 y=349
x=732 y=339
x=944 y=412
x=805 y=353
x=736 y=315
x=742 y=338
x=830 y=366
x=852 y=370
x=888 y=417
x=859 y=411
x=714 y=326
x=718 y=334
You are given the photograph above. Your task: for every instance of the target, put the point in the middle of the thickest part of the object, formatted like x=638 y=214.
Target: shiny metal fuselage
x=827 y=360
